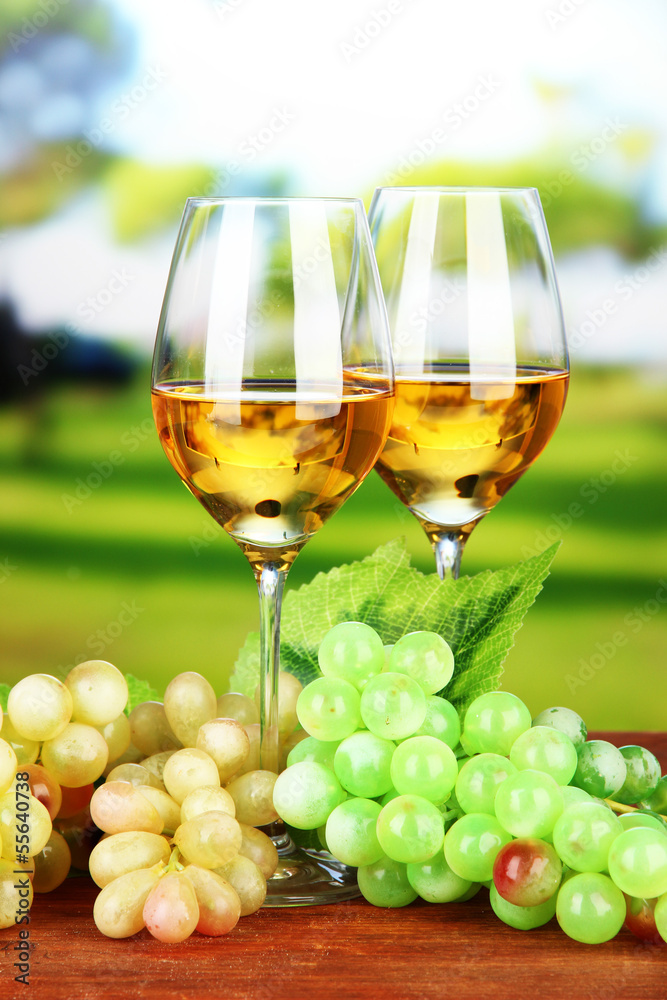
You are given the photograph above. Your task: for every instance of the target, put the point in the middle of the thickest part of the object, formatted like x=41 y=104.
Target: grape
x=39 y=707
x=209 y=840
x=410 y=829
x=393 y=705
x=8 y=765
x=187 y=769
x=26 y=750
x=44 y=787
x=16 y=894
x=207 y=798
x=117 y=806
x=121 y=853
x=423 y=765
x=660 y=916
x=81 y=834
x=99 y=692
x=251 y=763
x=351 y=833
x=353 y=652
x=298 y=736
x=118 y=909
x=657 y=801
x=583 y=835
x=441 y=721
x=219 y=905
x=528 y=804
x=542 y=748
x=638 y=862
x=150 y=731
x=130 y=756
x=259 y=848
x=424 y=656
x=136 y=774
x=635 y=818
x=601 y=769
x=316 y=750
x=171 y=911
x=168 y=810
x=385 y=883
x=52 y=864
x=289 y=689
x=362 y=764
x=306 y=793
x=116 y=735
x=435 y=881
x=574 y=796
x=494 y=721
x=155 y=763
x=640 y=919
x=235 y=705
x=479 y=780
x=642 y=777
x=471 y=846
x=247 y=881
x=189 y=702
x=527 y=872
x=565 y=721
x=328 y=709
x=523 y=918
x=253 y=797
x=23 y=816
x=590 y=908
x=226 y=742
x=76 y=756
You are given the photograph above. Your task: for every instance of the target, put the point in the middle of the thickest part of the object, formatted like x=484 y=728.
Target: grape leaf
x=477 y=615
x=138 y=691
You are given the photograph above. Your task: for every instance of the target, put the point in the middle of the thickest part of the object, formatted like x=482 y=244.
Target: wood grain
x=347 y=951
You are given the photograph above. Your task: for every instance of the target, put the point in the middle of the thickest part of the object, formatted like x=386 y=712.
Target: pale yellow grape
x=136 y=774
x=251 y=763
x=207 y=798
x=116 y=735
x=77 y=756
x=171 y=910
x=130 y=756
x=8 y=765
x=26 y=750
x=169 y=810
x=39 y=706
x=52 y=864
x=235 y=705
x=24 y=823
x=209 y=840
x=289 y=689
x=99 y=692
x=15 y=895
x=119 y=853
x=155 y=763
x=189 y=702
x=119 y=908
x=187 y=769
x=253 y=797
x=150 y=730
x=288 y=745
x=226 y=741
x=247 y=881
x=259 y=848
x=117 y=806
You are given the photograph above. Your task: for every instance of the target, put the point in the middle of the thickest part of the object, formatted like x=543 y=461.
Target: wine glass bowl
x=479 y=350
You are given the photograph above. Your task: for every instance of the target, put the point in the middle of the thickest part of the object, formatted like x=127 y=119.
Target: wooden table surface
x=347 y=951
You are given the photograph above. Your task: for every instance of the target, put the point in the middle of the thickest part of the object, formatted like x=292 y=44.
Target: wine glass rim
x=270 y=199
x=457 y=189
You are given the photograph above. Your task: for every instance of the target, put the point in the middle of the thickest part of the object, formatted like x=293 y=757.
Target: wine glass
x=479 y=348
x=272 y=392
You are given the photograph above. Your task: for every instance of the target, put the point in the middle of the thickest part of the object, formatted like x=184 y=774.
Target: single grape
x=583 y=835
x=39 y=707
x=306 y=793
x=542 y=748
x=435 y=881
x=16 y=894
x=328 y=709
x=259 y=848
x=209 y=840
x=167 y=808
x=638 y=862
x=252 y=762
x=226 y=742
x=640 y=919
x=287 y=745
x=362 y=764
x=423 y=765
x=99 y=692
x=527 y=872
x=117 y=806
x=136 y=774
x=393 y=706
x=8 y=765
x=660 y=916
x=315 y=750
x=410 y=829
x=426 y=657
x=207 y=798
x=118 y=909
x=187 y=769
x=171 y=911
x=189 y=702
x=478 y=782
x=81 y=834
x=590 y=908
x=150 y=731
x=565 y=721
x=471 y=846
x=25 y=824
x=73 y=800
x=642 y=777
x=574 y=796
x=44 y=787
x=219 y=904
x=121 y=853
x=523 y=918
x=76 y=756
x=247 y=881
x=351 y=832
x=352 y=651
x=156 y=762
x=289 y=689
x=636 y=818
x=385 y=883
x=26 y=750
x=601 y=768
x=116 y=735
x=235 y=705
x=441 y=721
x=52 y=864
x=528 y=804
x=493 y=722
x=253 y=797
x=657 y=801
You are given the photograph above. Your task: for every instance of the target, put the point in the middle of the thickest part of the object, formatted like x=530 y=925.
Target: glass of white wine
x=272 y=392
x=479 y=350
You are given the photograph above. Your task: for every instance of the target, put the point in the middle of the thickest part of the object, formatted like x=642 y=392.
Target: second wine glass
x=479 y=350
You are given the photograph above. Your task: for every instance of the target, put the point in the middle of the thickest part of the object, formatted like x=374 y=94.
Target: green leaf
x=4 y=695
x=477 y=615
x=138 y=691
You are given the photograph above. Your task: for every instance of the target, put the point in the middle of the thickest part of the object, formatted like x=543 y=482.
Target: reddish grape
x=44 y=787
x=527 y=871
x=74 y=800
x=640 y=919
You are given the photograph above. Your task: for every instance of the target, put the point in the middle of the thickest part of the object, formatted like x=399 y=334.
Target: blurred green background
x=108 y=126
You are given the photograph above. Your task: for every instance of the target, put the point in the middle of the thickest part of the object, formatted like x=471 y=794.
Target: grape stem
x=620 y=807
x=174 y=864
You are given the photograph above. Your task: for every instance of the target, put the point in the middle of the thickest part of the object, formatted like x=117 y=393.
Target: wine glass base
x=305 y=878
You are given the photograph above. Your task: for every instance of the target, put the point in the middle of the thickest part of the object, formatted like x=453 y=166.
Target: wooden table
x=347 y=951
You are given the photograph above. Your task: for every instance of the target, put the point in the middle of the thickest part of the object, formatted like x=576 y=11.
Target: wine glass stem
x=270 y=583
x=448 y=550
